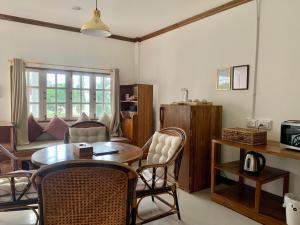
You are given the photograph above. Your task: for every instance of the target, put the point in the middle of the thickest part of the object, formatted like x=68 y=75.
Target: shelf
x=6 y=124
x=266 y=175
x=241 y=198
x=272 y=148
x=129 y=101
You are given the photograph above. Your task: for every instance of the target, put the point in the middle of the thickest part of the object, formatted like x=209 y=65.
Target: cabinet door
x=179 y=116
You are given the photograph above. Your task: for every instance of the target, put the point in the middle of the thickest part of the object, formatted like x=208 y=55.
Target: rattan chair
x=86 y=192
x=160 y=172
x=104 y=135
x=16 y=189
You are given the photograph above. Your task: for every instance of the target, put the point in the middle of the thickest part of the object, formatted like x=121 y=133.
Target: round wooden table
x=126 y=153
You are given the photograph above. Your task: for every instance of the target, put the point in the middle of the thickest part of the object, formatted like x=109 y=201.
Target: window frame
x=45 y=87
x=41 y=97
x=42 y=72
x=81 y=89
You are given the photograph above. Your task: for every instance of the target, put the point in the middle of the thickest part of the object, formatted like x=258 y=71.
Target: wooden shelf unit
x=241 y=198
x=259 y=205
x=267 y=175
x=139 y=128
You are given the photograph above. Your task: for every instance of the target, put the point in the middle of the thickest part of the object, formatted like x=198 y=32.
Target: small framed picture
x=224 y=79
x=240 y=77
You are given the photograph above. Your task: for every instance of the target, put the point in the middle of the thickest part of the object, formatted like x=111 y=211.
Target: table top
x=126 y=153
x=271 y=148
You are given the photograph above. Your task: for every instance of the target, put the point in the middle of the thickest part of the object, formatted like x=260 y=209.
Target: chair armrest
x=150 y=166
x=20 y=173
x=8 y=153
x=154 y=177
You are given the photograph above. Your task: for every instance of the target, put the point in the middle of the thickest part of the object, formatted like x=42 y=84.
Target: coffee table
x=126 y=153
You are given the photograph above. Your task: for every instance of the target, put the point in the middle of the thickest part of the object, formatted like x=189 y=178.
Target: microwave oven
x=290 y=134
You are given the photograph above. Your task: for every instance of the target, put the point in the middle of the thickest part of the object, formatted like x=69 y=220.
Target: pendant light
x=95 y=27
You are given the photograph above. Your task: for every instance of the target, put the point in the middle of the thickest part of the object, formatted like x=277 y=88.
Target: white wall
x=190 y=56
x=53 y=46
x=278 y=90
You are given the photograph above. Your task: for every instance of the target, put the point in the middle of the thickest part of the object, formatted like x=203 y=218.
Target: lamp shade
x=95 y=27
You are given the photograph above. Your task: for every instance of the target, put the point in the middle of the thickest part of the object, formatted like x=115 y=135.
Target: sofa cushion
x=57 y=128
x=105 y=119
x=34 y=128
x=83 y=117
x=44 y=137
x=88 y=135
x=37 y=145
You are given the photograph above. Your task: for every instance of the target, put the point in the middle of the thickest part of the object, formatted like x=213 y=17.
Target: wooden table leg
x=257 y=196
x=286 y=180
x=242 y=158
x=214 y=152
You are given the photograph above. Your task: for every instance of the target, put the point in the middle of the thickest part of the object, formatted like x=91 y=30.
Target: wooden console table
x=254 y=203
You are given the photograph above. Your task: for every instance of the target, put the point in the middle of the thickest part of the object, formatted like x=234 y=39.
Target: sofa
x=45 y=140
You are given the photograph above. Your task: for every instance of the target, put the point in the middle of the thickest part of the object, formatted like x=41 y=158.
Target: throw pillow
x=57 y=128
x=34 y=128
x=105 y=119
x=83 y=117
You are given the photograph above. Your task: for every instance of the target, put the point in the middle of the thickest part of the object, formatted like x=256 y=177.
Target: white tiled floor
x=196 y=209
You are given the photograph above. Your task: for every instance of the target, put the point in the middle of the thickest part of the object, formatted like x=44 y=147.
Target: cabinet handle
x=161 y=116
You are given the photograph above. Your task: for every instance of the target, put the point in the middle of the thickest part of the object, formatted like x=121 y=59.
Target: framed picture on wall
x=224 y=79
x=240 y=77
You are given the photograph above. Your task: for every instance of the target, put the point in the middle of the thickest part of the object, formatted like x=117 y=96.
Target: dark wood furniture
x=7 y=135
x=18 y=198
x=161 y=178
x=86 y=192
x=201 y=124
x=59 y=153
x=251 y=201
x=86 y=124
x=139 y=128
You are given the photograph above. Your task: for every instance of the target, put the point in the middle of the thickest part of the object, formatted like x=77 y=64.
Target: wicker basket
x=245 y=136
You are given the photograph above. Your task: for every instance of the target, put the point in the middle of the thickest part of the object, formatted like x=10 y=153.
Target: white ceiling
x=132 y=18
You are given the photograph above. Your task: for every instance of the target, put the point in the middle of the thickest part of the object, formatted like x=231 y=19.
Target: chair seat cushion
x=88 y=135
x=163 y=147
x=21 y=183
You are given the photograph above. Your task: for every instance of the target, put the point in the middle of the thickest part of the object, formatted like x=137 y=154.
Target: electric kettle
x=254 y=163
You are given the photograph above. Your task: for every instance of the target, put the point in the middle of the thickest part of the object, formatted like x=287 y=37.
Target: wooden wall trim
x=195 y=18
x=208 y=13
x=56 y=26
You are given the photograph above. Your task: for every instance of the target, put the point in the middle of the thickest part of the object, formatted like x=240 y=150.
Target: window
x=81 y=94
x=103 y=95
x=56 y=95
x=67 y=93
x=33 y=92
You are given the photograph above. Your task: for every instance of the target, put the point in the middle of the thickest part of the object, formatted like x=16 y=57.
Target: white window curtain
x=115 y=128
x=19 y=101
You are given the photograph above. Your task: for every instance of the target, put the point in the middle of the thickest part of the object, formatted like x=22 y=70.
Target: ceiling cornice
x=195 y=18
x=56 y=26
x=208 y=13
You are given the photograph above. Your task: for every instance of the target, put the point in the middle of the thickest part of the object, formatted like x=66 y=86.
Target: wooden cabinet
x=201 y=123
x=137 y=112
